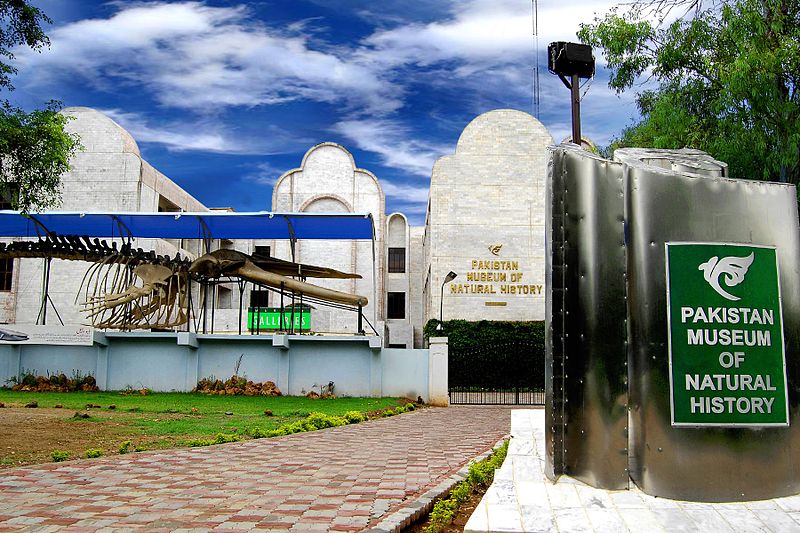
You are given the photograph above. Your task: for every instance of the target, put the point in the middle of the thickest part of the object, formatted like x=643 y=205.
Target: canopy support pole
x=41 y=319
x=283 y=312
x=240 y=283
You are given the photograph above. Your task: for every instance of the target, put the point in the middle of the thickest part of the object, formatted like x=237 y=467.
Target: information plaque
x=727 y=361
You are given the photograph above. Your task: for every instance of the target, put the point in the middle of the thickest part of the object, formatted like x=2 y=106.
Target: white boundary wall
x=357 y=365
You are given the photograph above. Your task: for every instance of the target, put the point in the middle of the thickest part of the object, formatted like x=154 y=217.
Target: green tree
x=727 y=79
x=35 y=148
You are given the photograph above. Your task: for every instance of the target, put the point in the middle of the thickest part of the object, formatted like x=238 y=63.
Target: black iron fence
x=509 y=373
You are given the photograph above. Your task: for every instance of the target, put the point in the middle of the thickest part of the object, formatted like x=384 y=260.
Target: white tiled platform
x=521 y=499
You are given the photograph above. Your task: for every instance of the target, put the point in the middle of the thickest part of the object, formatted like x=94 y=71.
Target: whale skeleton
x=129 y=288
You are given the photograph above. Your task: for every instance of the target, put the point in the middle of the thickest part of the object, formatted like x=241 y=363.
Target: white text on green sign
x=726 y=353
x=270 y=318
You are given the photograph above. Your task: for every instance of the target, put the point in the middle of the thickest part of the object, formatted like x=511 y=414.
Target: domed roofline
x=127 y=143
x=469 y=132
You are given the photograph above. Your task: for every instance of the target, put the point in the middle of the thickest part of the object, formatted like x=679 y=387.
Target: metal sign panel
x=727 y=361
x=53 y=335
x=270 y=318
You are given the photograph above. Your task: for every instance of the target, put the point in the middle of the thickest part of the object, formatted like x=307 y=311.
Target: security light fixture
x=570 y=59
x=447 y=279
x=574 y=61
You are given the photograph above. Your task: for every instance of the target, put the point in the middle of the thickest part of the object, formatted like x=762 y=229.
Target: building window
x=259 y=298
x=263 y=251
x=224 y=297
x=396 y=305
x=6 y=273
x=397 y=260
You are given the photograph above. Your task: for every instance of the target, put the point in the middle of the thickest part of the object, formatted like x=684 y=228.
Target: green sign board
x=726 y=351
x=270 y=318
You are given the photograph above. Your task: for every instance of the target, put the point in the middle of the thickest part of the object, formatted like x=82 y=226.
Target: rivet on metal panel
x=659 y=449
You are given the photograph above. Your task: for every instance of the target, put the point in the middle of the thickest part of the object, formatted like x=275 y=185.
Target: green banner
x=270 y=318
x=726 y=350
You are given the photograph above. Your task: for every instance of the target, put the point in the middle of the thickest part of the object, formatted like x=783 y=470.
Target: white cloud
x=265 y=174
x=196 y=57
x=193 y=56
x=393 y=143
x=405 y=193
x=482 y=32
x=204 y=136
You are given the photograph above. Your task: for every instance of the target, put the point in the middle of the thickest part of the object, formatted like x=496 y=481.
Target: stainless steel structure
x=586 y=407
x=608 y=409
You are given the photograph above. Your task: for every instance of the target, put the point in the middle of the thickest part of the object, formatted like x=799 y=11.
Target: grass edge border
x=414 y=510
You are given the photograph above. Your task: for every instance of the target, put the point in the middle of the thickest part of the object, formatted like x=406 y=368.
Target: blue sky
x=223 y=97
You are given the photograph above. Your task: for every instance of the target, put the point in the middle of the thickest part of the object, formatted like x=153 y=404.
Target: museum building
x=485 y=222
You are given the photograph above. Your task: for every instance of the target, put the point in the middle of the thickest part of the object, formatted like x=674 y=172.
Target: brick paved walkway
x=340 y=479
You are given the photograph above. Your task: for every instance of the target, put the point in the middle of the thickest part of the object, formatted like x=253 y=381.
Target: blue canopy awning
x=202 y=225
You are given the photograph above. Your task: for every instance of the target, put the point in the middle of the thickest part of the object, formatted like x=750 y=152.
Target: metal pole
x=205 y=304
x=283 y=314
x=576 y=110
x=240 y=283
x=291 y=327
x=45 y=291
x=301 y=313
x=441 y=304
x=190 y=307
x=214 y=295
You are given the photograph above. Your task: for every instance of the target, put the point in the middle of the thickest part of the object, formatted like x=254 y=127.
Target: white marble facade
x=328 y=181
x=485 y=222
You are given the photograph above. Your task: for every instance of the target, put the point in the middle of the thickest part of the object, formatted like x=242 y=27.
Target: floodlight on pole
x=447 y=279
x=576 y=61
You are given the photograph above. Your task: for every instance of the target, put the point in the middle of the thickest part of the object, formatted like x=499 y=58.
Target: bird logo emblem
x=733 y=268
x=495 y=248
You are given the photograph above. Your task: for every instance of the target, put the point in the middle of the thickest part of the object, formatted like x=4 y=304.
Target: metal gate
x=499 y=374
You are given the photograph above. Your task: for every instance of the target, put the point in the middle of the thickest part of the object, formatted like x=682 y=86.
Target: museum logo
x=734 y=269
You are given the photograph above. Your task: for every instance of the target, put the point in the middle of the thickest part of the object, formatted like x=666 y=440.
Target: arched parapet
x=328 y=167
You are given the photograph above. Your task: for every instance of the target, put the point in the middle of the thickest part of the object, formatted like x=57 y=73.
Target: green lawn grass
x=192 y=414
x=149 y=422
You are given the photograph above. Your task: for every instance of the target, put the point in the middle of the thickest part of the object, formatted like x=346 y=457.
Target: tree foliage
x=35 y=147
x=727 y=80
